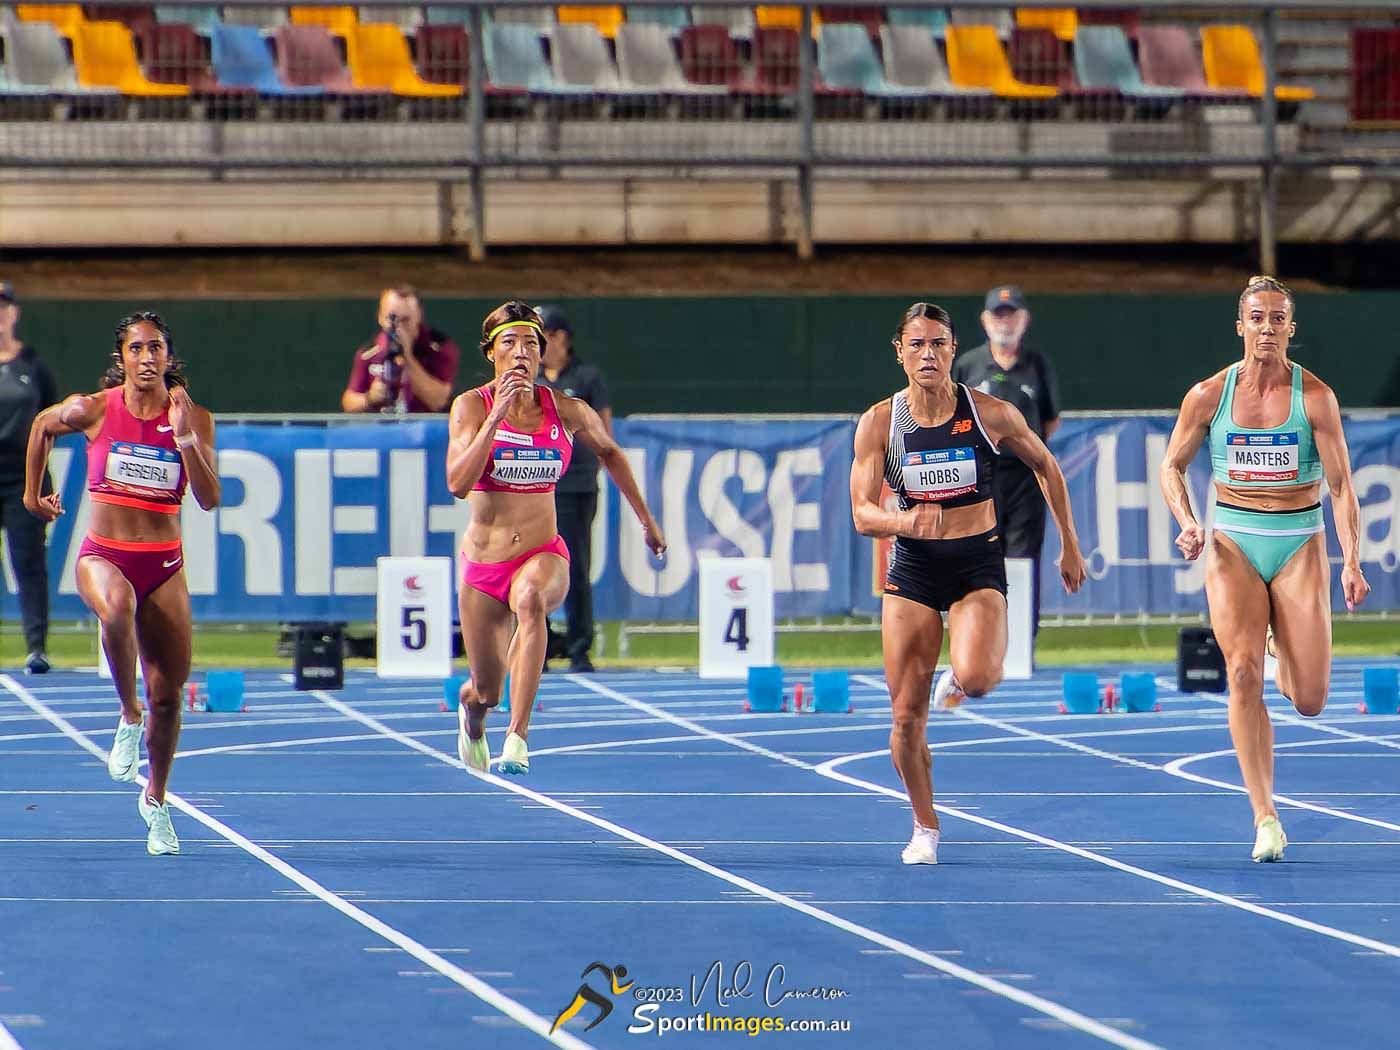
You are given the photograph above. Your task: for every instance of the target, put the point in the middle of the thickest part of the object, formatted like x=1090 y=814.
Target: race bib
x=527 y=466
x=941 y=474
x=1262 y=457
x=143 y=466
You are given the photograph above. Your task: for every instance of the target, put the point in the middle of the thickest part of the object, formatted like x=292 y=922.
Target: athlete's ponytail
x=174 y=368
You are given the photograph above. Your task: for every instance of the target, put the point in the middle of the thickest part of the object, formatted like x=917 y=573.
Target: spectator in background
x=407 y=367
x=26 y=388
x=1005 y=367
x=576 y=495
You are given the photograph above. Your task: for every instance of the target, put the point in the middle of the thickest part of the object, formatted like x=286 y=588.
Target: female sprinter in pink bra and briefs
x=510 y=443
x=146 y=441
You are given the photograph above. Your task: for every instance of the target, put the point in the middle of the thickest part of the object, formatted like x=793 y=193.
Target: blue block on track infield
x=831 y=692
x=452 y=691
x=225 y=691
x=1081 y=689
x=1139 y=691
x=765 y=689
x=1380 y=688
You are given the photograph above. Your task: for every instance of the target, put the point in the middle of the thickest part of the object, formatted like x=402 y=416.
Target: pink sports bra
x=527 y=462
x=134 y=462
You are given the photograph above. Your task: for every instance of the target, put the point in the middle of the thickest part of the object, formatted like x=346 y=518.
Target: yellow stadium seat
x=1232 y=62
x=379 y=60
x=976 y=60
x=105 y=57
x=780 y=17
x=339 y=20
x=65 y=17
x=1062 y=21
x=606 y=17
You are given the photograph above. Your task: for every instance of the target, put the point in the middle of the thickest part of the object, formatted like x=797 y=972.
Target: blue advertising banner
x=309 y=507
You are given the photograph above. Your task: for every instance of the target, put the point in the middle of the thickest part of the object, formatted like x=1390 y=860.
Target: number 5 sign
x=736 y=616
x=415 y=618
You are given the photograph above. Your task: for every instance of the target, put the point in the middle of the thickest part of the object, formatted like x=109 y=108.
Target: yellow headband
x=491 y=335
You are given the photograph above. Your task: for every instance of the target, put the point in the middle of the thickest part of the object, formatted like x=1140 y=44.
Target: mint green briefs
x=1268 y=540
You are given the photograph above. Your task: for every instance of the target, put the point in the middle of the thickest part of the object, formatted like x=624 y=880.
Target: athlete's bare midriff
x=505 y=525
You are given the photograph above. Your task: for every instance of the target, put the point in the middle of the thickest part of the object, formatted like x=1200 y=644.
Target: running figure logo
x=615 y=975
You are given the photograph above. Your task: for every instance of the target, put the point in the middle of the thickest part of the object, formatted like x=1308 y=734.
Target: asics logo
x=164 y=430
x=962 y=426
x=169 y=564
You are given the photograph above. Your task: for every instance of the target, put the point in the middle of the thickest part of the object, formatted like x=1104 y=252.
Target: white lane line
x=483 y=991
x=7 y=1039
x=828 y=769
x=1017 y=995
x=1320 y=727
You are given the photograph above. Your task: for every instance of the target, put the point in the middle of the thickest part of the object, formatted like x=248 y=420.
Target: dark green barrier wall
x=817 y=354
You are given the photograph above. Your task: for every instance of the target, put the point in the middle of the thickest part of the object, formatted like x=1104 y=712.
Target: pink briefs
x=494 y=578
x=145 y=565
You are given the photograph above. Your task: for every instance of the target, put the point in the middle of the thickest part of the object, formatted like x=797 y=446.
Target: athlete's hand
x=1072 y=569
x=46 y=508
x=510 y=386
x=1192 y=541
x=1354 y=586
x=181 y=411
x=651 y=535
x=921 y=522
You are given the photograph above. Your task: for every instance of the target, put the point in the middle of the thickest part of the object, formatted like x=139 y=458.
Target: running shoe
x=475 y=754
x=160 y=839
x=38 y=662
x=1269 y=841
x=923 y=847
x=515 y=756
x=947 y=695
x=125 y=757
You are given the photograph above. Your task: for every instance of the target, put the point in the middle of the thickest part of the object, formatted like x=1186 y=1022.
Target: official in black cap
x=1005 y=367
x=27 y=387
x=576 y=495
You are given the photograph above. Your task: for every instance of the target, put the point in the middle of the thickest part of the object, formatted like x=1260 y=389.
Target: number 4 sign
x=736 y=616
x=415 y=618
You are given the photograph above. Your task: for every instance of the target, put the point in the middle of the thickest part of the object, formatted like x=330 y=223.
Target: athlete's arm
x=1320 y=403
x=867 y=474
x=587 y=426
x=471 y=429
x=1006 y=424
x=1192 y=426
x=77 y=414
x=194 y=436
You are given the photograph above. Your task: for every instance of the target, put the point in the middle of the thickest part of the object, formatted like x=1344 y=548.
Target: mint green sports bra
x=1244 y=457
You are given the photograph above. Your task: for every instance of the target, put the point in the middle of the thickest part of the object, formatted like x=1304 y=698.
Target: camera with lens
x=393 y=359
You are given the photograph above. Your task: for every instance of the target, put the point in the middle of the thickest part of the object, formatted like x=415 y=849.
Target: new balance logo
x=962 y=426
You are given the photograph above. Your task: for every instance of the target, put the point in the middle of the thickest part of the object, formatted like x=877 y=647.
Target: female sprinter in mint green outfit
x=1275 y=433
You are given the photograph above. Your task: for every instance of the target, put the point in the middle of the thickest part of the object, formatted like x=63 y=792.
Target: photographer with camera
x=407 y=367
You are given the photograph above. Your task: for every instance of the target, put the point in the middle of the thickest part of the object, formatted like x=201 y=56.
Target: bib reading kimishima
x=527 y=466
x=1262 y=457
x=143 y=466
x=940 y=474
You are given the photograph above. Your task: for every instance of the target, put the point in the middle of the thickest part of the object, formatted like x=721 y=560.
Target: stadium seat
x=308 y=57
x=36 y=60
x=104 y=55
x=262 y=17
x=406 y=16
x=738 y=21
x=515 y=59
x=769 y=17
x=1232 y=62
x=709 y=57
x=646 y=62
x=336 y=19
x=1168 y=59
x=912 y=60
x=174 y=54
x=1375 y=74
x=203 y=19
x=935 y=19
x=872 y=18
x=1104 y=59
x=671 y=16
x=847 y=61
x=543 y=17
x=1125 y=18
x=241 y=58
x=380 y=61
x=134 y=16
x=775 y=60
x=976 y=59
x=999 y=18
x=444 y=55
x=604 y=18
x=1062 y=21
x=579 y=59
x=64 y=17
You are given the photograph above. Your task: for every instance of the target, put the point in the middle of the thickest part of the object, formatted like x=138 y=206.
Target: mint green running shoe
x=160 y=839
x=125 y=756
x=475 y=754
x=515 y=756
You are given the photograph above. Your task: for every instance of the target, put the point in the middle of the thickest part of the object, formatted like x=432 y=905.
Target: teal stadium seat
x=673 y=17
x=847 y=61
x=514 y=57
x=201 y=19
x=934 y=19
x=1103 y=59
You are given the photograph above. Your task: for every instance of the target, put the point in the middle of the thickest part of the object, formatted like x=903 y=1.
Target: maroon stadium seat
x=709 y=56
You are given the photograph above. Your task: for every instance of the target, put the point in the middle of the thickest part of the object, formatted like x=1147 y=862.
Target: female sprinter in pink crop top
x=146 y=442
x=510 y=443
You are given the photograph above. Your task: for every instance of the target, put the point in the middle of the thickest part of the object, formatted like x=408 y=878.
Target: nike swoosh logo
x=169 y=564
x=164 y=430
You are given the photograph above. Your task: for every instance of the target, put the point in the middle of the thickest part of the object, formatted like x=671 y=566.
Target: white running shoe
x=947 y=694
x=475 y=754
x=515 y=756
x=125 y=756
x=160 y=839
x=1269 y=841
x=923 y=847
